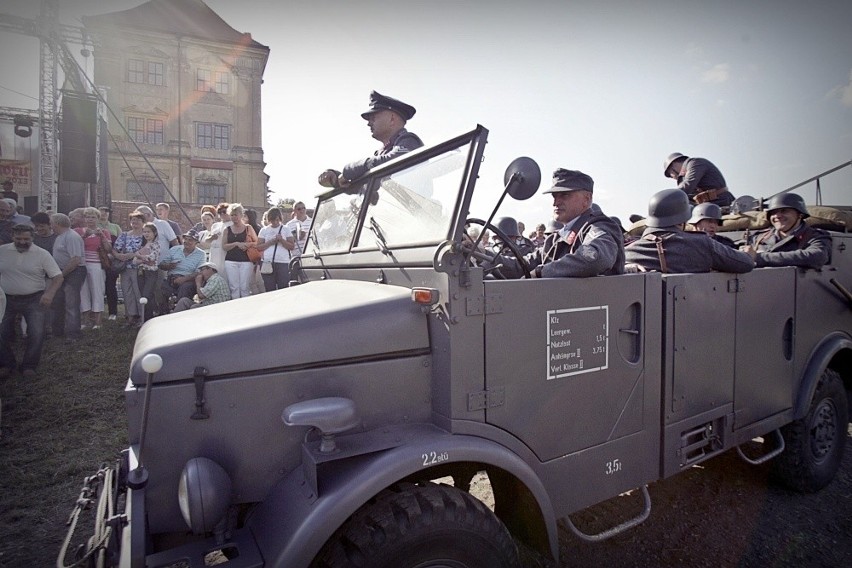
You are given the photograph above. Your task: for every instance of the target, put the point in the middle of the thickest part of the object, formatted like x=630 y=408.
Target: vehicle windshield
x=413 y=206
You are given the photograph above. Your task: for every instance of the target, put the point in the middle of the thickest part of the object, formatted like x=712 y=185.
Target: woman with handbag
x=97 y=244
x=124 y=251
x=276 y=242
x=239 y=241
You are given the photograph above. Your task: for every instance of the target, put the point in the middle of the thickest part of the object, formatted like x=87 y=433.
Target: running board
x=770 y=455
x=618 y=529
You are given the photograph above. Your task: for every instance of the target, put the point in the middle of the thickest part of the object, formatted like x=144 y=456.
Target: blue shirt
x=187 y=264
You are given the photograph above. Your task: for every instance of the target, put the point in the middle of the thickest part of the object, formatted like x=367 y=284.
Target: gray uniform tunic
x=684 y=252
x=402 y=143
x=806 y=246
x=594 y=247
x=700 y=175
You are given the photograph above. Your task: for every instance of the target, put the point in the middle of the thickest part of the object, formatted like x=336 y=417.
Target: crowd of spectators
x=69 y=273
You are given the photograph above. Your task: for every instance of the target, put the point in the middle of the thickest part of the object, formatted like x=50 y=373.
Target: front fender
x=292 y=524
x=818 y=361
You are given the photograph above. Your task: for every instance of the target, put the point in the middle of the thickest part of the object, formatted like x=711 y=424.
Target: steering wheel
x=509 y=243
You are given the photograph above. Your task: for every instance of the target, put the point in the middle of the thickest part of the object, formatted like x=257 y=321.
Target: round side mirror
x=522 y=178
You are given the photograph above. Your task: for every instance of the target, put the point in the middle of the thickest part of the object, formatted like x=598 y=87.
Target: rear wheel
x=815 y=443
x=421 y=526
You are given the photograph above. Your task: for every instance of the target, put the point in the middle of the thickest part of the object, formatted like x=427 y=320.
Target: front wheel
x=421 y=526
x=815 y=442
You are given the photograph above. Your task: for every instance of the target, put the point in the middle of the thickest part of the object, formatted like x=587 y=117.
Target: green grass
x=58 y=428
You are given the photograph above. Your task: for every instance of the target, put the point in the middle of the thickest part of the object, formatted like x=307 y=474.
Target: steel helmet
x=706 y=211
x=509 y=226
x=668 y=207
x=670 y=159
x=552 y=226
x=791 y=200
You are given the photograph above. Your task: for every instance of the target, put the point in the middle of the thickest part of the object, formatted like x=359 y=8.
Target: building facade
x=184 y=88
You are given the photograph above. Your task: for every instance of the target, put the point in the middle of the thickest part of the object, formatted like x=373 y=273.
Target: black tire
x=815 y=443
x=421 y=526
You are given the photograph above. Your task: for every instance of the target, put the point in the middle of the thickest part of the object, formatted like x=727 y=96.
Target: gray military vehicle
x=308 y=426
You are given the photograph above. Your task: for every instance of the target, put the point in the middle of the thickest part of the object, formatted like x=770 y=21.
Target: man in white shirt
x=24 y=271
x=299 y=226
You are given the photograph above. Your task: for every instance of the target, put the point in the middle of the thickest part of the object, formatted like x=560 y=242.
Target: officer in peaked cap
x=666 y=247
x=699 y=178
x=589 y=243
x=386 y=118
x=790 y=241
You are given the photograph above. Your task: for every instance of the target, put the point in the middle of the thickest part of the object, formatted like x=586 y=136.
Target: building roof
x=191 y=18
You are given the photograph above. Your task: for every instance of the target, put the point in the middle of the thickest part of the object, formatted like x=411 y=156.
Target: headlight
x=204 y=494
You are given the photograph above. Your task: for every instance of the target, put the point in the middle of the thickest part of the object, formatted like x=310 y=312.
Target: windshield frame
x=362 y=248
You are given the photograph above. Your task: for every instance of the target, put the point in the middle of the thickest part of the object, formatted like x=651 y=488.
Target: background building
x=186 y=90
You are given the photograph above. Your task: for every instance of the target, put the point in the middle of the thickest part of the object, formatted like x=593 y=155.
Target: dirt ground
x=722 y=513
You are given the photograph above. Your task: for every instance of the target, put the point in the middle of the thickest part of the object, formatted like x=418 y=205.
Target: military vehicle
x=308 y=426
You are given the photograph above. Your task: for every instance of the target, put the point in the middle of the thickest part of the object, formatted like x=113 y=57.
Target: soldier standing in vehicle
x=589 y=243
x=790 y=241
x=386 y=118
x=707 y=218
x=700 y=179
x=666 y=247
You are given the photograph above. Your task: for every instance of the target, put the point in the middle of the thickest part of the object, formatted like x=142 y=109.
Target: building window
x=212 y=193
x=210 y=135
x=155 y=73
x=135 y=71
x=223 y=82
x=145 y=131
x=136 y=129
x=141 y=71
x=216 y=81
x=154 y=131
x=202 y=80
x=146 y=191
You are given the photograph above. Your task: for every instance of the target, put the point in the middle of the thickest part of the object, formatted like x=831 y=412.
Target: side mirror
x=522 y=178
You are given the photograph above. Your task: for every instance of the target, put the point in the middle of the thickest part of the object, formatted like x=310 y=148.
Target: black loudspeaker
x=30 y=204
x=78 y=139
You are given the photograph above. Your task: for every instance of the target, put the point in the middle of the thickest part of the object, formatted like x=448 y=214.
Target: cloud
x=843 y=92
x=717 y=74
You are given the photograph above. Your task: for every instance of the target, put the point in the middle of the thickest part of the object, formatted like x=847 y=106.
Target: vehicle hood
x=330 y=321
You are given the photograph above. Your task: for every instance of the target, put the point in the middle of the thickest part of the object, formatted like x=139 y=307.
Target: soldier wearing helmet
x=512 y=229
x=707 y=218
x=589 y=243
x=790 y=241
x=386 y=119
x=666 y=247
x=699 y=178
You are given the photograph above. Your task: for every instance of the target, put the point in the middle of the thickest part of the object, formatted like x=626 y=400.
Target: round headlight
x=204 y=494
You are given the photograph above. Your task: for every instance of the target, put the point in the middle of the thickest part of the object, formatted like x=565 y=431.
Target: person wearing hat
x=212 y=289
x=790 y=241
x=699 y=178
x=589 y=243
x=666 y=247
x=512 y=229
x=707 y=218
x=181 y=264
x=386 y=118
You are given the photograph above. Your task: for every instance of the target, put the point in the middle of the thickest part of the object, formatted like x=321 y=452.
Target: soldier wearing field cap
x=790 y=241
x=666 y=247
x=386 y=119
x=589 y=243
x=700 y=179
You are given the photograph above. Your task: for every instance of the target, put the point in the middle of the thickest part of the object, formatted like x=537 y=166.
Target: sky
x=762 y=88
